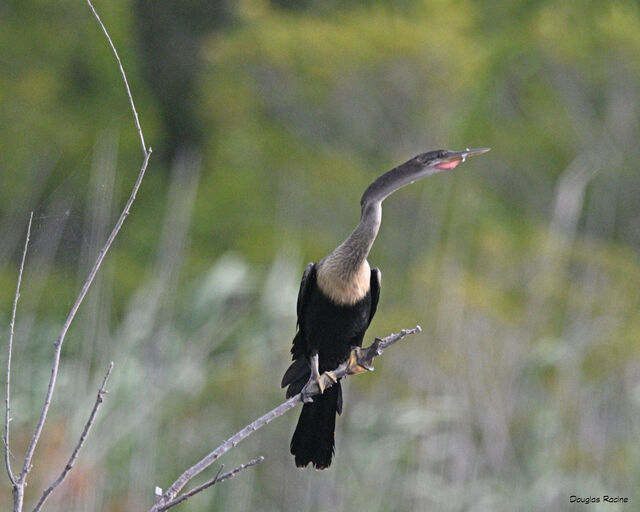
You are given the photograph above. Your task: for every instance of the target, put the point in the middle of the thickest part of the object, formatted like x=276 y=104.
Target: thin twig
x=216 y=479
x=124 y=78
x=364 y=360
x=194 y=470
x=7 y=398
x=85 y=288
x=83 y=437
x=231 y=474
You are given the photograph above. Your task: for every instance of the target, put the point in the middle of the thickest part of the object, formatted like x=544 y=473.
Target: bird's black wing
x=308 y=280
x=298 y=372
x=376 y=283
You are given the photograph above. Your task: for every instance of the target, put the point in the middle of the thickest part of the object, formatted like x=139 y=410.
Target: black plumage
x=338 y=297
x=332 y=330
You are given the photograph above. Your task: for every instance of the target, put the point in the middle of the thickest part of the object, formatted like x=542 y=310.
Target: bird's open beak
x=453 y=158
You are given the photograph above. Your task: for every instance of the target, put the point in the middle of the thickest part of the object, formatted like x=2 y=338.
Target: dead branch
x=7 y=396
x=85 y=288
x=216 y=479
x=83 y=292
x=365 y=357
x=85 y=431
x=20 y=482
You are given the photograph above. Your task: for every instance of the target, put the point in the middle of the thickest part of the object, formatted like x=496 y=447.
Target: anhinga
x=337 y=300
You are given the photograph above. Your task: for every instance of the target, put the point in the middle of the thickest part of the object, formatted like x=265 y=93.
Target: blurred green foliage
x=522 y=266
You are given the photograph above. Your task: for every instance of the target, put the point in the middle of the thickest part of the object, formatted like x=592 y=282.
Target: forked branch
x=19 y=482
x=216 y=479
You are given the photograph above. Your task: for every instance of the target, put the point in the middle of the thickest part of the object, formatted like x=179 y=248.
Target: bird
x=337 y=300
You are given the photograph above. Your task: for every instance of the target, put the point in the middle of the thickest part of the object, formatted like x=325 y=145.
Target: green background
x=268 y=120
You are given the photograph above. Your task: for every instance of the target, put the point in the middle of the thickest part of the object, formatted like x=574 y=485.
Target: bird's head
x=443 y=159
x=413 y=170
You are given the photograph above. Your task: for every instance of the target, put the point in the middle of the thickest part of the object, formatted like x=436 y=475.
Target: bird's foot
x=316 y=385
x=359 y=361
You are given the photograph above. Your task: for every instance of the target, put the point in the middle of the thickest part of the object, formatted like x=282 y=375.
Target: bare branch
x=194 y=470
x=7 y=397
x=85 y=288
x=124 y=79
x=364 y=362
x=231 y=474
x=216 y=479
x=83 y=437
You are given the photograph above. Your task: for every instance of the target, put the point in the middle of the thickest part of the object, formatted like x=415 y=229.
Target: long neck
x=351 y=253
x=344 y=275
x=396 y=178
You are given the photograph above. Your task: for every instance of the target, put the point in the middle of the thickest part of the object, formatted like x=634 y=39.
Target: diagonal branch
x=72 y=460
x=85 y=288
x=7 y=397
x=197 y=468
x=364 y=360
x=216 y=479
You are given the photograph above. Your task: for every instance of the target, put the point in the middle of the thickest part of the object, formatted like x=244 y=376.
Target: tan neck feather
x=344 y=275
x=343 y=289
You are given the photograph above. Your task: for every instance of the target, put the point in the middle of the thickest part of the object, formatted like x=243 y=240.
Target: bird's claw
x=359 y=362
x=316 y=385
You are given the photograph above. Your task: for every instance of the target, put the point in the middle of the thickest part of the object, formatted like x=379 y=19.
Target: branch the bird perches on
x=363 y=362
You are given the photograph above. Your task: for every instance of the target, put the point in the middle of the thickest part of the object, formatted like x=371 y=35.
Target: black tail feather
x=313 y=441
x=297 y=370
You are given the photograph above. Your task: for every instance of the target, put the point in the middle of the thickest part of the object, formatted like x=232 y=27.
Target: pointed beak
x=466 y=153
x=454 y=158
